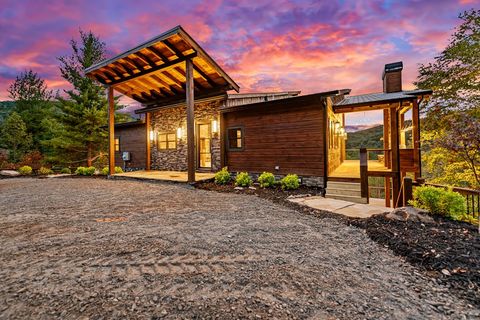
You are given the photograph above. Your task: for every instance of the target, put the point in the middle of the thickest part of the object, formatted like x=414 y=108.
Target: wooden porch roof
x=373 y=101
x=153 y=73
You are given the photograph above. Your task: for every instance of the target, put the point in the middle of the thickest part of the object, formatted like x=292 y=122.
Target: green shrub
x=439 y=201
x=105 y=171
x=266 y=180
x=290 y=182
x=118 y=170
x=45 y=171
x=222 y=176
x=80 y=171
x=66 y=170
x=25 y=170
x=90 y=171
x=243 y=180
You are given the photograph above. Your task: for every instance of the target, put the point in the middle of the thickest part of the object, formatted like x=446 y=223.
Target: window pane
x=162 y=145
x=171 y=136
x=162 y=137
x=239 y=133
x=172 y=145
x=239 y=143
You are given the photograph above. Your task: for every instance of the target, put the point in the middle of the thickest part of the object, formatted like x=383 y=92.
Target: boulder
x=410 y=214
x=9 y=173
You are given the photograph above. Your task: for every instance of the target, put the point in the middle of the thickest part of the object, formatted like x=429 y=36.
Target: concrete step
x=343 y=185
x=344 y=192
x=347 y=198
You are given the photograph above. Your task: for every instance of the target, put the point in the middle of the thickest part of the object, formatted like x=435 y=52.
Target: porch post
x=416 y=138
x=148 y=142
x=111 y=131
x=190 y=120
x=387 y=154
x=395 y=155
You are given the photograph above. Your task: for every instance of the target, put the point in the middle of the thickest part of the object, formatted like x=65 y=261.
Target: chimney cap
x=392 y=67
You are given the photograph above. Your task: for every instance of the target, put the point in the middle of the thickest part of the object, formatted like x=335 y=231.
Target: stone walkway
x=349 y=209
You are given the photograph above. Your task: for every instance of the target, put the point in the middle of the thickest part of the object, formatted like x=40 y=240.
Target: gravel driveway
x=95 y=248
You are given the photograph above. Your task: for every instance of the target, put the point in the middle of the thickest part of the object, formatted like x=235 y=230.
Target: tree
x=82 y=135
x=14 y=136
x=451 y=120
x=33 y=104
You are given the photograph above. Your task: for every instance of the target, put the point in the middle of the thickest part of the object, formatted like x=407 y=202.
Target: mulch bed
x=447 y=251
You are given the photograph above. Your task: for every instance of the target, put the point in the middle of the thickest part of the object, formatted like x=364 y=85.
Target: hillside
x=5 y=108
x=367 y=138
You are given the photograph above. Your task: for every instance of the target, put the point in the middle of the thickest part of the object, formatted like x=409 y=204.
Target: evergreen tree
x=14 y=137
x=33 y=104
x=82 y=135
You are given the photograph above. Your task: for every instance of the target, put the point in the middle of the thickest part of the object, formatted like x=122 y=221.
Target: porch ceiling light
x=179 y=133
x=214 y=126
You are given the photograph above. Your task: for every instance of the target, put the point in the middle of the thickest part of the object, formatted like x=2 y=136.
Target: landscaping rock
x=238 y=188
x=9 y=173
x=409 y=213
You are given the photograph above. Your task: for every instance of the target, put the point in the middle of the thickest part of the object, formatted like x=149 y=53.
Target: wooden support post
x=111 y=130
x=387 y=154
x=395 y=156
x=407 y=190
x=148 y=129
x=364 y=173
x=190 y=120
x=416 y=138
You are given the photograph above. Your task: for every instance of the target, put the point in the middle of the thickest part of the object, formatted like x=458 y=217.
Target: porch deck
x=351 y=168
x=175 y=176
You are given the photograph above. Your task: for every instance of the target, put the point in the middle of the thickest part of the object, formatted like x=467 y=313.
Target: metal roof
x=154 y=72
x=380 y=98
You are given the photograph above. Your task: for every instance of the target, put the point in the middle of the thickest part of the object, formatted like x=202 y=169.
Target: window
x=235 y=138
x=117 y=144
x=167 y=141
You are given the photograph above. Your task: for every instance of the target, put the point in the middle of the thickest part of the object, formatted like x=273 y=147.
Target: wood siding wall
x=286 y=135
x=133 y=140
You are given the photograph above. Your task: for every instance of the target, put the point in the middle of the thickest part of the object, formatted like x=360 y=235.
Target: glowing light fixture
x=179 y=133
x=152 y=135
x=214 y=126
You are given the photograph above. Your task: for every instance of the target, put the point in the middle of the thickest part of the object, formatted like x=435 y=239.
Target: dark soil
x=445 y=250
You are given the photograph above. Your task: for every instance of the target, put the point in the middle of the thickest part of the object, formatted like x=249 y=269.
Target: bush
x=243 y=180
x=25 y=170
x=66 y=170
x=290 y=182
x=45 y=171
x=118 y=170
x=439 y=201
x=105 y=171
x=222 y=176
x=90 y=171
x=80 y=171
x=266 y=180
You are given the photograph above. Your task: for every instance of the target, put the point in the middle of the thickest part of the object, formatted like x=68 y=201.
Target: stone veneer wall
x=169 y=120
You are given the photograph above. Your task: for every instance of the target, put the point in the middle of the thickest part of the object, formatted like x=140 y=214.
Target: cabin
x=193 y=123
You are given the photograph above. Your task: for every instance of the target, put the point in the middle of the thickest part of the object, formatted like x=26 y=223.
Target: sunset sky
x=264 y=45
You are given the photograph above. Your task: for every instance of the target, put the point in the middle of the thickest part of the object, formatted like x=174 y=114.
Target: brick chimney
x=392 y=77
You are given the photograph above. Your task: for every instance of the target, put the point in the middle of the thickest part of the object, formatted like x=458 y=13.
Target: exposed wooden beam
x=146 y=59
x=134 y=63
x=157 y=52
x=111 y=131
x=197 y=84
x=117 y=72
x=174 y=49
x=204 y=75
x=125 y=68
x=156 y=68
x=190 y=99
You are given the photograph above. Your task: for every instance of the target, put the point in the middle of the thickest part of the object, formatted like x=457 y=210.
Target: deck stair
x=348 y=191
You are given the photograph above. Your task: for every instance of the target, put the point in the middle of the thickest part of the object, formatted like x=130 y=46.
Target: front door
x=204 y=146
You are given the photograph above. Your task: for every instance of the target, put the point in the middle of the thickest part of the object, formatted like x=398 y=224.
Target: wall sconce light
x=214 y=126
x=179 y=133
x=152 y=135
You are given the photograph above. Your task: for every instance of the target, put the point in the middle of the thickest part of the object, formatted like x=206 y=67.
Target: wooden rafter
x=174 y=49
x=157 y=53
